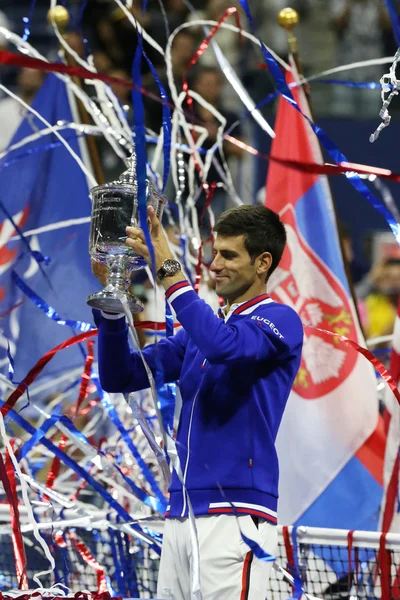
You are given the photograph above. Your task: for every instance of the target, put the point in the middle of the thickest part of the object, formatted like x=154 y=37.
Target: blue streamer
x=122 y=558
x=27 y=21
x=298 y=584
x=371 y=85
x=57 y=417
x=64 y=554
x=37 y=256
x=395 y=18
x=131 y=570
x=332 y=149
x=166 y=392
x=160 y=502
x=183 y=244
x=259 y=552
x=41 y=148
x=139 y=493
x=166 y=122
x=140 y=146
x=40 y=433
x=48 y=310
x=169 y=320
x=119 y=574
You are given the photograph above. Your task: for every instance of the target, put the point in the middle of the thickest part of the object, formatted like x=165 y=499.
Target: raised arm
x=272 y=332
x=122 y=370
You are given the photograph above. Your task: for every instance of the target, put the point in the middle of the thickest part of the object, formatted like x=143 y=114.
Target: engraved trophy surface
x=115 y=207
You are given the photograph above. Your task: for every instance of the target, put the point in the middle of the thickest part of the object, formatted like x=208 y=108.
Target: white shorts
x=228 y=569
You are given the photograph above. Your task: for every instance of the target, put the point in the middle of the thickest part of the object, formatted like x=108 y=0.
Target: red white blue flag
x=330 y=444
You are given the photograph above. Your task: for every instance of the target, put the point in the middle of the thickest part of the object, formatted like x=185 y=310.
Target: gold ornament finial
x=288 y=18
x=58 y=15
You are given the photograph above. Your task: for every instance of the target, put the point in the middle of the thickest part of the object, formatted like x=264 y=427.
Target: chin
x=220 y=290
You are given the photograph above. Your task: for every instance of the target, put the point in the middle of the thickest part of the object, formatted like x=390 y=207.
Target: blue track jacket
x=235 y=374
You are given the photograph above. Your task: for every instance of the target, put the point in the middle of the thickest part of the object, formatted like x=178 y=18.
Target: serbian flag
x=331 y=441
x=390 y=515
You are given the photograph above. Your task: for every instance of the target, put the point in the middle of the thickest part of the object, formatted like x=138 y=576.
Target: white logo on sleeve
x=270 y=325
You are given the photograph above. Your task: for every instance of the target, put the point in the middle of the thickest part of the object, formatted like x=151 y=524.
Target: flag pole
x=60 y=16
x=288 y=18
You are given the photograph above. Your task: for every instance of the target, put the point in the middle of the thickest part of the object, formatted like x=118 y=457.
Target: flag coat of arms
x=333 y=408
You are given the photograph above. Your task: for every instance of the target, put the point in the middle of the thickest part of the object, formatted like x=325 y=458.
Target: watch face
x=171 y=266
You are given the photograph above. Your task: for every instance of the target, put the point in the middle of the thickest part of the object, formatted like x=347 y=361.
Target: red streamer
x=42 y=362
x=9 y=58
x=76 y=596
x=7 y=477
x=385 y=565
x=209 y=197
x=383 y=372
x=40 y=365
x=316 y=168
x=18 y=60
x=90 y=560
x=201 y=49
x=289 y=551
x=85 y=380
x=350 y=536
x=85 y=376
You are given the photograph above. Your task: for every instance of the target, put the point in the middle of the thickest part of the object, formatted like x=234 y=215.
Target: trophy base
x=109 y=302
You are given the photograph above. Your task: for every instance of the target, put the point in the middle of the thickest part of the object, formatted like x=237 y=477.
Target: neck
x=256 y=289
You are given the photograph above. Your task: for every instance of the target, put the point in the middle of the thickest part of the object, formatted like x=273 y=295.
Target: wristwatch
x=168 y=268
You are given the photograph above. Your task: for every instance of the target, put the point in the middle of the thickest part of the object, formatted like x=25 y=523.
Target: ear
x=264 y=261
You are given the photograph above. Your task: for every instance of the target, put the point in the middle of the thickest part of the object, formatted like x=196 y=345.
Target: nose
x=217 y=264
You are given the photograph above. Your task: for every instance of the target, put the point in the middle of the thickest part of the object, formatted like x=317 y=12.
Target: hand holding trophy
x=114 y=208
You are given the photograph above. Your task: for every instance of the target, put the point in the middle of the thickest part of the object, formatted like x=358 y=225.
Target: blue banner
x=39 y=189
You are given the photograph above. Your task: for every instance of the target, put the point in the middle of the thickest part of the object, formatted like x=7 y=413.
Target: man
x=235 y=373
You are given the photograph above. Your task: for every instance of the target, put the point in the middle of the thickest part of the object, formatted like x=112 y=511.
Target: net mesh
x=131 y=567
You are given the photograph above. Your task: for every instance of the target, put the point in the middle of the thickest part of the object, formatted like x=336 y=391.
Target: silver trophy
x=115 y=207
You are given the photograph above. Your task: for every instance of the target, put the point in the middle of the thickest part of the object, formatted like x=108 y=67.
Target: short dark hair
x=262 y=228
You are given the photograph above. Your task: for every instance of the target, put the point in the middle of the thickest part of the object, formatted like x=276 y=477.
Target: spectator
x=5 y=71
x=11 y=111
x=381 y=303
x=182 y=51
x=227 y=40
x=207 y=82
x=360 y=27
x=3 y=23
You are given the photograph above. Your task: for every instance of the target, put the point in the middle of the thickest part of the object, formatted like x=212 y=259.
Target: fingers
x=136 y=241
x=137 y=244
x=100 y=271
x=154 y=222
x=135 y=233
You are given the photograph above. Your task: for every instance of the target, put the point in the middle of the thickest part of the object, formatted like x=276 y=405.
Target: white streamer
x=390 y=85
x=87 y=102
x=53 y=130
x=139 y=28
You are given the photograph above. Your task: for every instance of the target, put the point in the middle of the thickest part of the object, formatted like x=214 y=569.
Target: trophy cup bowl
x=114 y=208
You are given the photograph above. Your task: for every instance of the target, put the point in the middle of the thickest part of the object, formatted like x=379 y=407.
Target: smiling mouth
x=220 y=277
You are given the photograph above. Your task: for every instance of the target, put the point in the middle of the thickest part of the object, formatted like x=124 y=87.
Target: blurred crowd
x=329 y=34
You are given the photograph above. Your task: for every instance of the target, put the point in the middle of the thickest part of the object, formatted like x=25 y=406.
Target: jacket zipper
x=188 y=446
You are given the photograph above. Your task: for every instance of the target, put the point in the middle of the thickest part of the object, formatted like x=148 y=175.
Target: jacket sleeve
x=121 y=370
x=275 y=334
